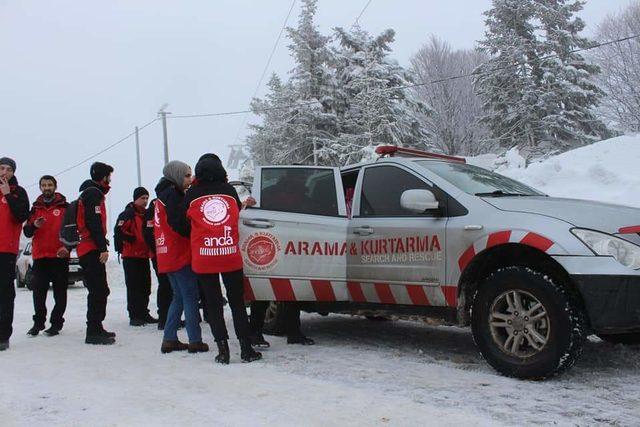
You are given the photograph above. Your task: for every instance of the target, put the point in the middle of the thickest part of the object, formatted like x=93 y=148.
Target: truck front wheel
x=526 y=325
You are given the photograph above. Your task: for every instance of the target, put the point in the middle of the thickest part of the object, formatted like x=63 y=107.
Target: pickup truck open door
x=294 y=241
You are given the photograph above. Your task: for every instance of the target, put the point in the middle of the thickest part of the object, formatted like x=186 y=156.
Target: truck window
x=299 y=190
x=382 y=188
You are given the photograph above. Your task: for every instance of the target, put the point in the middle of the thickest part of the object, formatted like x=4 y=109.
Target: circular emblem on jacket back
x=215 y=210
x=56 y=212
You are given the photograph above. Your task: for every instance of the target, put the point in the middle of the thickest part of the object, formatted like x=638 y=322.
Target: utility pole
x=138 y=157
x=163 y=114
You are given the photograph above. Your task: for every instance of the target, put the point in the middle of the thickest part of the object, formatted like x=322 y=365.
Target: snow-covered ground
x=607 y=171
x=360 y=373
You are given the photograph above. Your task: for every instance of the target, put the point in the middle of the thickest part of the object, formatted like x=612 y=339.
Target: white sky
x=76 y=76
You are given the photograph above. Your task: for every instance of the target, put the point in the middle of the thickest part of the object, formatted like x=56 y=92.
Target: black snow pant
x=7 y=294
x=164 y=294
x=137 y=277
x=234 y=284
x=95 y=274
x=56 y=272
x=291 y=314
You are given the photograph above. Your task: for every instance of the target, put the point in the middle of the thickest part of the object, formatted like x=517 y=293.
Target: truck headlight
x=626 y=253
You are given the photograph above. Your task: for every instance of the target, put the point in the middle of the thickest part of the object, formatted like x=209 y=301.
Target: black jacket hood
x=162 y=185
x=92 y=184
x=211 y=170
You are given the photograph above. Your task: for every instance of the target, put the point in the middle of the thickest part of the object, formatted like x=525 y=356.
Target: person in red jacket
x=171 y=231
x=92 y=250
x=50 y=257
x=14 y=210
x=213 y=209
x=164 y=294
x=130 y=243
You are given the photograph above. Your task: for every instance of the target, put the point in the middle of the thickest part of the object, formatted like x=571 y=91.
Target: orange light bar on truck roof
x=392 y=151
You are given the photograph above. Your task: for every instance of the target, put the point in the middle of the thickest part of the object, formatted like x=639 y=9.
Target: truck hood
x=580 y=213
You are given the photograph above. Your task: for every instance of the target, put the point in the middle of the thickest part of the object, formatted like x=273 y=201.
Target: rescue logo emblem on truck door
x=261 y=250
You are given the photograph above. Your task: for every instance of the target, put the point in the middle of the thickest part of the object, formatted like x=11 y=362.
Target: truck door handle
x=363 y=231
x=258 y=223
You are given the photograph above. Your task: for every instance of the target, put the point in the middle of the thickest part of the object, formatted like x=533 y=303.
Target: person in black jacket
x=14 y=210
x=164 y=293
x=92 y=250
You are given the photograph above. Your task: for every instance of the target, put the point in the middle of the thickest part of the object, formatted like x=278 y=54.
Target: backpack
x=69 y=235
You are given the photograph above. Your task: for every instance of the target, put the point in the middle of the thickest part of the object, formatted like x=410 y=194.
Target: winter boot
x=106 y=333
x=35 y=330
x=198 y=347
x=4 y=345
x=137 y=322
x=247 y=353
x=150 y=319
x=99 y=339
x=53 y=330
x=223 y=352
x=171 y=346
x=300 y=339
x=258 y=340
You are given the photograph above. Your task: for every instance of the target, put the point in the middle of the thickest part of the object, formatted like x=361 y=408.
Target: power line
x=104 y=150
x=361 y=13
x=266 y=67
x=302 y=104
x=413 y=85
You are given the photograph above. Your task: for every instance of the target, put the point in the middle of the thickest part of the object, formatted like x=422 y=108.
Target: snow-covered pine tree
x=312 y=83
x=506 y=83
x=538 y=94
x=569 y=94
x=373 y=107
x=278 y=138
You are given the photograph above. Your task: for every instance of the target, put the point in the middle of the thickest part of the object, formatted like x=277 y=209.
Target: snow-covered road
x=360 y=373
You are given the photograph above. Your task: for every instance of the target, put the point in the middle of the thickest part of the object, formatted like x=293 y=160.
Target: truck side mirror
x=419 y=201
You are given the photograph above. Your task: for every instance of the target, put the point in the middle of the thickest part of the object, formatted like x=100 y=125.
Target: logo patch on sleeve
x=98 y=210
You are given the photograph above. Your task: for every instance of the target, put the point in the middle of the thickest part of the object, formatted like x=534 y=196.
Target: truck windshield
x=478 y=181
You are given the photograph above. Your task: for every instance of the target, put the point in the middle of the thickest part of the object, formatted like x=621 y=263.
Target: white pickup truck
x=415 y=233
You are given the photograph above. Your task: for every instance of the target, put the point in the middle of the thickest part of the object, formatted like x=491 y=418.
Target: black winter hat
x=210 y=156
x=9 y=162
x=100 y=170
x=139 y=192
x=210 y=169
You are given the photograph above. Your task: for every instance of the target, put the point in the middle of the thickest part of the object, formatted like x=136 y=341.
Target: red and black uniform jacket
x=213 y=209
x=92 y=218
x=147 y=231
x=171 y=229
x=14 y=210
x=46 y=239
x=129 y=231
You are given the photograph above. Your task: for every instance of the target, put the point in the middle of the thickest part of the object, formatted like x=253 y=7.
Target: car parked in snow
x=24 y=268
x=421 y=234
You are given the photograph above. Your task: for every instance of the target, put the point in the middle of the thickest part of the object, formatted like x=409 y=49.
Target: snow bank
x=607 y=171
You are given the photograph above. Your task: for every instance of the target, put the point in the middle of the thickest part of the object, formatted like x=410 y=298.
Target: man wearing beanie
x=14 y=210
x=213 y=209
x=171 y=231
x=92 y=250
x=129 y=242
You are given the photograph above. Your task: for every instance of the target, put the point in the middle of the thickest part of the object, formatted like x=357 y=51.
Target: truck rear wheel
x=274 y=319
x=632 y=338
x=526 y=325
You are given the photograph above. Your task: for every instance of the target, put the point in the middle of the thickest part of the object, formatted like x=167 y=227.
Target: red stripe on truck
x=282 y=289
x=323 y=290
